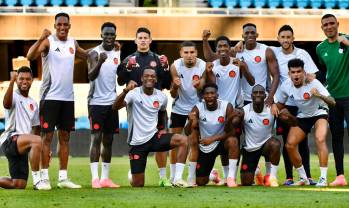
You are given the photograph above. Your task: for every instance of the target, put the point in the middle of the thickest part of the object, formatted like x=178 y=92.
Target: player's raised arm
x=120 y=100
x=95 y=63
x=7 y=102
x=208 y=53
x=244 y=71
x=176 y=82
x=40 y=47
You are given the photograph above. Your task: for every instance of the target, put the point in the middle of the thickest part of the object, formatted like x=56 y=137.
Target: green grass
x=153 y=196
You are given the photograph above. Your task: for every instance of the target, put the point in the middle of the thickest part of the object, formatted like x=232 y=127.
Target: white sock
x=172 y=171
x=301 y=172
x=323 y=171
x=192 y=171
x=225 y=171
x=162 y=172
x=62 y=175
x=274 y=170
x=36 y=176
x=105 y=170
x=94 y=170
x=44 y=174
x=267 y=168
x=232 y=167
x=179 y=171
x=257 y=171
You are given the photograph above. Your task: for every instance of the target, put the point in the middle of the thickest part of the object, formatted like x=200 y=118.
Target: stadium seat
x=245 y=3
x=343 y=4
x=101 y=3
x=41 y=2
x=10 y=2
x=260 y=3
x=216 y=3
x=56 y=2
x=301 y=4
x=82 y=123
x=231 y=3
x=123 y=125
x=330 y=4
x=26 y=2
x=71 y=2
x=315 y=4
x=287 y=3
x=86 y=3
x=273 y=3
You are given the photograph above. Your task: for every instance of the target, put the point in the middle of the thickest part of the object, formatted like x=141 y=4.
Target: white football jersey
x=308 y=105
x=142 y=114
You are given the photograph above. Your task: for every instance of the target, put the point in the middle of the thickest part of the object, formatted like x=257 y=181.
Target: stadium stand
x=273 y=3
x=260 y=3
x=71 y=2
x=56 y=2
x=10 y=3
x=2 y=126
x=245 y=3
x=231 y=3
x=315 y=4
x=330 y=4
x=287 y=3
x=41 y=3
x=343 y=4
x=301 y=4
x=86 y=3
x=216 y=3
x=82 y=123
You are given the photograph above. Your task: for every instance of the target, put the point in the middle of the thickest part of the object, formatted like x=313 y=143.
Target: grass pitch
x=154 y=196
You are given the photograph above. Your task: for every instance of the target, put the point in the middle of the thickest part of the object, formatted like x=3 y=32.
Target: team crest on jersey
x=196 y=77
x=116 y=61
x=71 y=50
x=153 y=64
x=257 y=59
x=306 y=96
x=232 y=73
x=156 y=104
x=221 y=119
x=266 y=121
x=31 y=106
x=96 y=126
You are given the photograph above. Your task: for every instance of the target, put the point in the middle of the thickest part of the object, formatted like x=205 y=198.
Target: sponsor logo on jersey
x=204 y=119
x=306 y=96
x=257 y=59
x=250 y=121
x=57 y=50
x=156 y=104
x=153 y=64
x=232 y=73
x=221 y=119
x=71 y=50
x=31 y=106
x=196 y=77
x=266 y=121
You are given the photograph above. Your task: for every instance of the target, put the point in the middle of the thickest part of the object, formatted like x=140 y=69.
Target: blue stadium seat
x=301 y=4
x=56 y=2
x=26 y=2
x=315 y=4
x=101 y=3
x=245 y=3
x=287 y=3
x=10 y=2
x=260 y=3
x=2 y=126
x=330 y=4
x=231 y=3
x=41 y=2
x=71 y=2
x=343 y=4
x=86 y=3
x=82 y=123
x=123 y=125
x=273 y=3
x=216 y=3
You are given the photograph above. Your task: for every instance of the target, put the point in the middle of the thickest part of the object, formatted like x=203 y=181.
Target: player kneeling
x=144 y=105
x=17 y=142
x=258 y=122
x=312 y=100
x=211 y=134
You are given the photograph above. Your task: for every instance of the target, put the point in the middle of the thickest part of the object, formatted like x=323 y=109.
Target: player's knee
x=275 y=144
x=181 y=139
x=107 y=142
x=47 y=138
x=232 y=142
x=20 y=184
x=290 y=146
